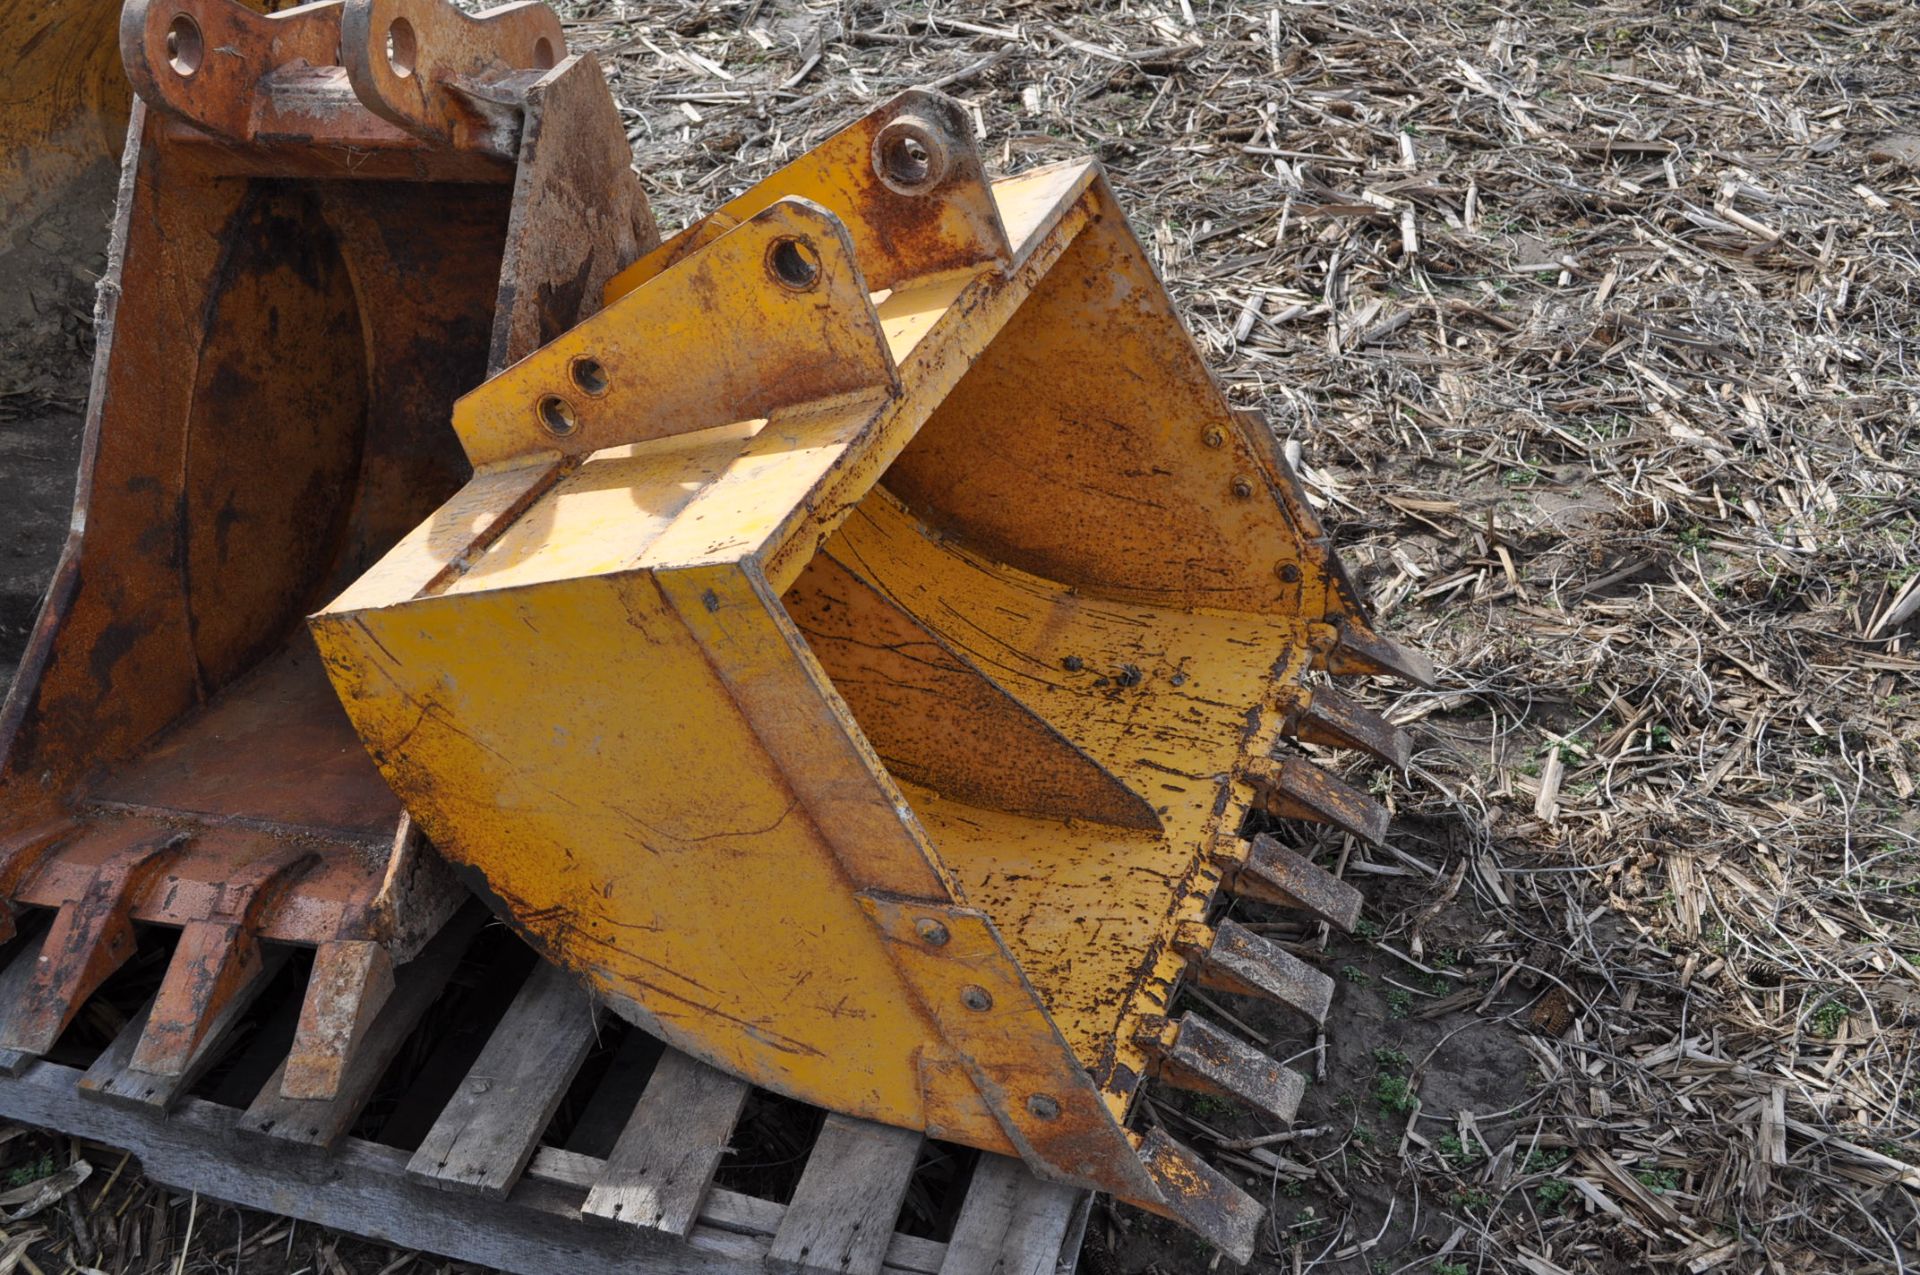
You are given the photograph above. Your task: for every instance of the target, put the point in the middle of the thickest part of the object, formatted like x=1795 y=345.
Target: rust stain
x=307 y=263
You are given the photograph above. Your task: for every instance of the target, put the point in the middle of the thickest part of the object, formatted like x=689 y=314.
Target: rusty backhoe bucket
x=860 y=648
x=63 y=103
x=318 y=212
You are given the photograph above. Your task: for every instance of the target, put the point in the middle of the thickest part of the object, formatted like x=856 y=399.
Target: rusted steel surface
x=20 y=859
x=229 y=762
x=1266 y=870
x=63 y=101
x=574 y=223
x=431 y=69
x=352 y=981
x=217 y=957
x=1323 y=716
x=1196 y=1055
x=908 y=178
x=353 y=88
x=270 y=412
x=91 y=937
x=1235 y=959
x=112 y=1079
x=1359 y=651
x=1294 y=788
x=1201 y=1196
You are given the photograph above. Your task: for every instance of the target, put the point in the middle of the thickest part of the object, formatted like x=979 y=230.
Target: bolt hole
x=910 y=155
x=909 y=161
x=557 y=416
x=543 y=53
x=794 y=263
x=590 y=377
x=184 y=47
x=402 y=49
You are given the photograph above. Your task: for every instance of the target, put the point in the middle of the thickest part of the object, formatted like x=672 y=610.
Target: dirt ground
x=1596 y=328
x=48 y=269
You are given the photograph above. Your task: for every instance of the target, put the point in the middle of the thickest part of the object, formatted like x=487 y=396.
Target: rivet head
x=1243 y=487
x=976 y=998
x=931 y=932
x=1288 y=572
x=1044 y=1106
x=1215 y=437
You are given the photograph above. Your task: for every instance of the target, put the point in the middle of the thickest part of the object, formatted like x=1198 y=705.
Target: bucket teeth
x=1202 y=1197
x=1265 y=870
x=1324 y=716
x=212 y=965
x=217 y=964
x=1293 y=788
x=352 y=981
x=1197 y=1056
x=90 y=938
x=20 y=857
x=1233 y=958
x=1361 y=650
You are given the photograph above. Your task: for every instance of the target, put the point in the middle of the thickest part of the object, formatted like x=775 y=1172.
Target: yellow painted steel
x=850 y=681
x=1084 y=905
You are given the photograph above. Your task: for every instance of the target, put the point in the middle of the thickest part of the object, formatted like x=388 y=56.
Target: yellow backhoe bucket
x=859 y=650
x=333 y=220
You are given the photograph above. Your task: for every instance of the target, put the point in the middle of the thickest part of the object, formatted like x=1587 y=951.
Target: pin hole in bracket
x=185 y=46
x=911 y=155
x=403 y=48
x=556 y=415
x=793 y=263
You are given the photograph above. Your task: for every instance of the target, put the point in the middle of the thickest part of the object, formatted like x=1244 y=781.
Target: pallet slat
x=492 y=1124
x=661 y=1169
x=842 y=1219
x=1010 y=1223
x=364 y=1189
x=600 y=1120
x=13 y=979
x=848 y=1200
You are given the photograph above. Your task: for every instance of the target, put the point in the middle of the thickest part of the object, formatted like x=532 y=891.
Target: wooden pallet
x=470 y=1165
